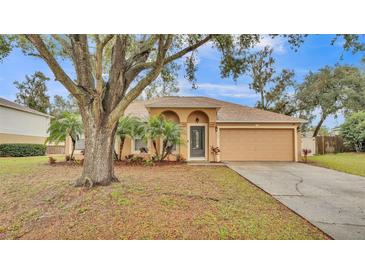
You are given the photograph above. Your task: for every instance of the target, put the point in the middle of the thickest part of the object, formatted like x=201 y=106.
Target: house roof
x=226 y=112
x=183 y=102
x=9 y=104
x=138 y=109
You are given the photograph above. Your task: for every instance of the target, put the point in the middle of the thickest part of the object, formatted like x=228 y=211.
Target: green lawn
x=353 y=163
x=159 y=202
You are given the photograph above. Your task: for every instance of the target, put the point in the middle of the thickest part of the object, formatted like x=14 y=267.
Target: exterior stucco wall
x=22 y=123
x=21 y=139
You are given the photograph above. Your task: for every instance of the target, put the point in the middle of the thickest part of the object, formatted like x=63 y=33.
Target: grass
x=160 y=202
x=353 y=163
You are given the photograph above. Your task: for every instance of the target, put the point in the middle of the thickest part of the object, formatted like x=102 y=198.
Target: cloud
x=208 y=51
x=277 y=43
x=240 y=91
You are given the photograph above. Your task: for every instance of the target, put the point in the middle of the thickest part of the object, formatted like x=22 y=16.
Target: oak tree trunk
x=99 y=147
x=318 y=127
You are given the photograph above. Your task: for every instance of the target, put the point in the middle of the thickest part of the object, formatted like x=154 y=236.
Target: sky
x=315 y=53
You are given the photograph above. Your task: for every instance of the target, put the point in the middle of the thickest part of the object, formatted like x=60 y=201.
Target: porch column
x=218 y=143
x=184 y=137
x=212 y=140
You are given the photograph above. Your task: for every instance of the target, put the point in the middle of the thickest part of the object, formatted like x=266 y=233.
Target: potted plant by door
x=215 y=151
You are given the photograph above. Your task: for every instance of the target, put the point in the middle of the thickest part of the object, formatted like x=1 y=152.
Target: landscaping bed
x=169 y=201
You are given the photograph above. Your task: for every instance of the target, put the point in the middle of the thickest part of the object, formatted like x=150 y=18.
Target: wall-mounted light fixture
x=197 y=120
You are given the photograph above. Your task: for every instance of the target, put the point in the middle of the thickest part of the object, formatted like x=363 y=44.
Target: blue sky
x=315 y=53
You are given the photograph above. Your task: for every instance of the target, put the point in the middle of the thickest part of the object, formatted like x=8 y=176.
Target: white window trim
x=205 y=158
x=174 y=152
x=133 y=151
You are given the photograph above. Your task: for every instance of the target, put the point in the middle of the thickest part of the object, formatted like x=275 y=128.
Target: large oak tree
x=331 y=90
x=268 y=83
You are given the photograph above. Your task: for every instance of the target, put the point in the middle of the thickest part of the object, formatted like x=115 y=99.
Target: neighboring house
x=20 y=124
x=336 y=131
x=241 y=133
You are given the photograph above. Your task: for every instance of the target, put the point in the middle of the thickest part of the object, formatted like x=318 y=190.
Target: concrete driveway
x=331 y=200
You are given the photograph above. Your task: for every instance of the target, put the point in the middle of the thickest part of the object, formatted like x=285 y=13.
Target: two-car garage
x=257 y=144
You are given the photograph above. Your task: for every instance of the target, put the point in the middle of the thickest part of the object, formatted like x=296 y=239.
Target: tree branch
x=106 y=40
x=81 y=55
x=163 y=46
x=116 y=74
x=177 y=55
x=64 y=43
x=59 y=73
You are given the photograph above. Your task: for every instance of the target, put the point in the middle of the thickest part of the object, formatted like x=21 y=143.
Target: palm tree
x=168 y=131
x=154 y=131
x=68 y=124
x=171 y=137
x=129 y=126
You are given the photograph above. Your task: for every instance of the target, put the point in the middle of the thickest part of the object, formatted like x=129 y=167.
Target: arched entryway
x=171 y=116
x=197 y=136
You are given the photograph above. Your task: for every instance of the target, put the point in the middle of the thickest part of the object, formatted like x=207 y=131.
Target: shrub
x=353 y=131
x=149 y=163
x=180 y=158
x=137 y=160
x=22 y=150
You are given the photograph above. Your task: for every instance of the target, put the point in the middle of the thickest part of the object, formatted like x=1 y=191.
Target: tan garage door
x=257 y=144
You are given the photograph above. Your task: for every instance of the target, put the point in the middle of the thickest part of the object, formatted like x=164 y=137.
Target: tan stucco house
x=242 y=133
x=20 y=124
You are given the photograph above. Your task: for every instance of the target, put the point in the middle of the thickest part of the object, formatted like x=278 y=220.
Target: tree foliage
x=270 y=85
x=5 y=46
x=33 y=92
x=61 y=105
x=331 y=90
x=129 y=126
x=67 y=124
x=353 y=131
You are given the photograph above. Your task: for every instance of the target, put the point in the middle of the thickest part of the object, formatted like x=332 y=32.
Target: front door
x=197 y=142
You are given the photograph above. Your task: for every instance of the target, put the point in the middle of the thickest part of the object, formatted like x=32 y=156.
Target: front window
x=80 y=144
x=140 y=145
x=173 y=149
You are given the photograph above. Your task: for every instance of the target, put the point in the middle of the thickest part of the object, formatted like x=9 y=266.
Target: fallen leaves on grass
x=159 y=202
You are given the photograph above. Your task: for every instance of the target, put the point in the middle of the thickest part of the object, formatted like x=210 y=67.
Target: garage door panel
x=257 y=144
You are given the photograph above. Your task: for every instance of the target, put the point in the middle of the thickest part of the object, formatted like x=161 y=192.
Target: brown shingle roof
x=183 y=102
x=138 y=109
x=9 y=104
x=227 y=112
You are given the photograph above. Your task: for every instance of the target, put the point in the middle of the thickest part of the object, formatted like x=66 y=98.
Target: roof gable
x=13 y=105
